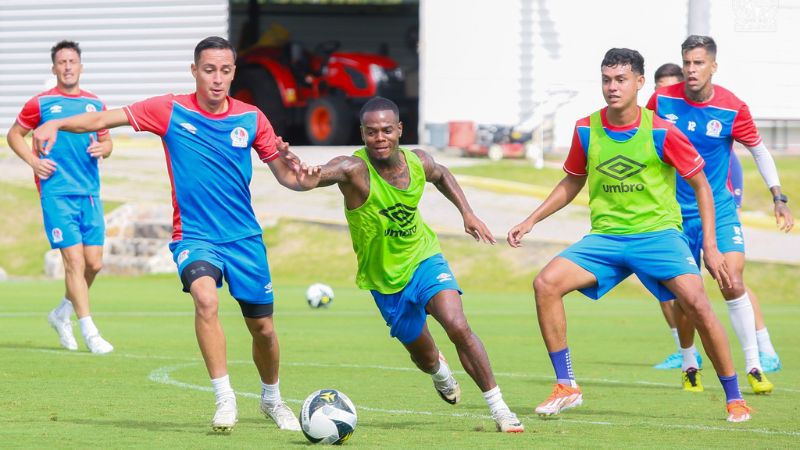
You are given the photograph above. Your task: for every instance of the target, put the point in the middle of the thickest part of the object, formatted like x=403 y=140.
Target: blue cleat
x=769 y=363
x=675 y=361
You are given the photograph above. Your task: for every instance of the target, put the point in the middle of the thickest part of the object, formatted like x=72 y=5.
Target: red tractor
x=320 y=91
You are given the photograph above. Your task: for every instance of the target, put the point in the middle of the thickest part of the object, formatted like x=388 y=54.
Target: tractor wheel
x=255 y=85
x=329 y=121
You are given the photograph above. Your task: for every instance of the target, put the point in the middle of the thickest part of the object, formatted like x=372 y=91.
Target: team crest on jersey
x=90 y=108
x=55 y=109
x=58 y=236
x=239 y=137
x=713 y=128
x=182 y=256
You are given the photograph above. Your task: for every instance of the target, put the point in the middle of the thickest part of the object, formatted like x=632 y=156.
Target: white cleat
x=226 y=416
x=449 y=390
x=98 y=345
x=282 y=415
x=507 y=422
x=64 y=330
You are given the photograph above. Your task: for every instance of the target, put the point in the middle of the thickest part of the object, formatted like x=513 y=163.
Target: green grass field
x=153 y=391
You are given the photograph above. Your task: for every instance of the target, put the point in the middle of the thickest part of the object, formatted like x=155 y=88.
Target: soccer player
x=69 y=186
x=712 y=118
x=629 y=159
x=399 y=258
x=667 y=75
x=207 y=137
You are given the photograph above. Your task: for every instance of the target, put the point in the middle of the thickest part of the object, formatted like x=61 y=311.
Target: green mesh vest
x=631 y=190
x=389 y=237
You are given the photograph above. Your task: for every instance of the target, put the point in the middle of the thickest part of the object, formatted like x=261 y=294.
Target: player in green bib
x=399 y=258
x=629 y=159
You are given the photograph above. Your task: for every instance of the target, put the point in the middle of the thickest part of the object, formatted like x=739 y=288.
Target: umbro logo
x=691 y=260
x=400 y=214
x=620 y=167
x=444 y=276
x=671 y=118
x=55 y=109
x=268 y=288
x=189 y=127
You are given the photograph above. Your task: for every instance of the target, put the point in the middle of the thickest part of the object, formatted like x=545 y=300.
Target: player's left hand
x=98 y=149
x=715 y=263
x=783 y=217
x=477 y=229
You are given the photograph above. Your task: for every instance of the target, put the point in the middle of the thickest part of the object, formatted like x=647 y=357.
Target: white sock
x=744 y=325
x=271 y=393
x=494 y=398
x=443 y=373
x=64 y=309
x=87 y=327
x=677 y=339
x=689 y=358
x=222 y=388
x=764 y=343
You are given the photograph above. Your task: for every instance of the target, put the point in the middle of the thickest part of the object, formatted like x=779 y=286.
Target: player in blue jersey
x=69 y=186
x=712 y=118
x=207 y=137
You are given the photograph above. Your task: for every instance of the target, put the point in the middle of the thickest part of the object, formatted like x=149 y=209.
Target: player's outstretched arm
x=564 y=192
x=45 y=136
x=43 y=168
x=714 y=260
x=446 y=183
x=766 y=167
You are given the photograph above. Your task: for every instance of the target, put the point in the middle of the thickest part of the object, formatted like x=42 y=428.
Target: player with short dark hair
x=207 y=137
x=399 y=258
x=629 y=158
x=68 y=180
x=713 y=118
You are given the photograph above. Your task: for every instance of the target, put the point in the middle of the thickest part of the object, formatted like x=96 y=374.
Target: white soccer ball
x=319 y=295
x=328 y=417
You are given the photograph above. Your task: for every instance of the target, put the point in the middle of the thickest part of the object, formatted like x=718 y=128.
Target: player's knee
x=544 y=285
x=206 y=304
x=94 y=266
x=74 y=265
x=458 y=330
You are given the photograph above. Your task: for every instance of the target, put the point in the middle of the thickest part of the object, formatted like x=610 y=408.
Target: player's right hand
x=715 y=263
x=516 y=233
x=43 y=168
x=44 y=137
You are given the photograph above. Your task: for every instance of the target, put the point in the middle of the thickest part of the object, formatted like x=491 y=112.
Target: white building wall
x=131 y=49
x=758 y=54
x=469 y=61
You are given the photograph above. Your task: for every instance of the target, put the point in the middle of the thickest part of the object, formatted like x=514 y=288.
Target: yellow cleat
x=691 y=380
x=759 y=382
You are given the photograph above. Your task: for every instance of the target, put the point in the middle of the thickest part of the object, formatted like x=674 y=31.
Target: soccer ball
x=328 y=417
x=319 y=295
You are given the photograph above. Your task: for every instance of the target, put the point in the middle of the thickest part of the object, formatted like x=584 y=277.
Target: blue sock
x=562 y=363
x=731 y=386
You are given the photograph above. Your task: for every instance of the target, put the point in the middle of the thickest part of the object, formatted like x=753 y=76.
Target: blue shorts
x=404 y=311
x=729 y=235
x=73 y=219
x=654 y=257
x=242 y=262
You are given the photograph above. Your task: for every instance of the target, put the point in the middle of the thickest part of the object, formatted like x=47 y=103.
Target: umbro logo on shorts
x=444 y=276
